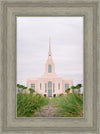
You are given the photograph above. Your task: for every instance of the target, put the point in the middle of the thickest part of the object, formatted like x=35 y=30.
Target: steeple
x=49 y=66
x=49 y=53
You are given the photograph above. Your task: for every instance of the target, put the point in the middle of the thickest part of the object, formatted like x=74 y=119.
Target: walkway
x=47 y=111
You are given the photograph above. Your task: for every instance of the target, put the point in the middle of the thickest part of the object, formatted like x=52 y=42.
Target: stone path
x=47 y=111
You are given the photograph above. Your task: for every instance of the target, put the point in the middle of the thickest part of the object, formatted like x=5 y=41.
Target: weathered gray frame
x=9 y=10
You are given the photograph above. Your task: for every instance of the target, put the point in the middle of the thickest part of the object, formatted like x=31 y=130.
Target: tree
x=18 y=85
x=61 y=94
x=78 y=86
x=21 y=87
x=67 y=90
x=31 y=90
x=73 y=87
x=25 y=89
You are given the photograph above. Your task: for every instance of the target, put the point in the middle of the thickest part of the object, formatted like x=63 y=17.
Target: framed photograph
x=50 y=66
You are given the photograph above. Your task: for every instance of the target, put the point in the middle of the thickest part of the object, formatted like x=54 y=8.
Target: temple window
x=33 y=86
x=49 y=68
x=58 y=85
x=53 y=87
x=66 y=86
x=45 y=87
x=49 y=84
x=40 y=86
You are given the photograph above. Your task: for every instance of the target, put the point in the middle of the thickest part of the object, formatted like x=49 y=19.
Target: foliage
x=78 y=86
x=61 y=94
x=73 y=87
x=27 y=104
x=67 y=90
x=31 y=90
x=21 y=88
x=18 y=85
x=69 y=105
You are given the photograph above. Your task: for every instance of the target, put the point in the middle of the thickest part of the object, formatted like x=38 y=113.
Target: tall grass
x=69 y=105
x=27 y=104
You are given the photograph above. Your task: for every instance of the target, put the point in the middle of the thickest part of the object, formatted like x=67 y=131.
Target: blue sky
x=66 y=44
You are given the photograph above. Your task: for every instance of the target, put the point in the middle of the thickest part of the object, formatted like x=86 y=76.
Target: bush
x=61 y=94
x=70 y=105
x=27 y=104
x=31 y=90
x=67 y=90
x=37 y=94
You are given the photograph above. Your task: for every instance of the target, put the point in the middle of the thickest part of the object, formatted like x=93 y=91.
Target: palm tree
x=78 y=86
x=21 y=87
x=25 y=89
x=73 y=87
x=31 y=90
x=67 y=90
x=18 y=85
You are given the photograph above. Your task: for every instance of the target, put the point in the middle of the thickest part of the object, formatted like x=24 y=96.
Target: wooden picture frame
x=90 y=10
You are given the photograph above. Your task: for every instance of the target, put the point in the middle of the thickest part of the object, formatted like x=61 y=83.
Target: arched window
x=49 y=68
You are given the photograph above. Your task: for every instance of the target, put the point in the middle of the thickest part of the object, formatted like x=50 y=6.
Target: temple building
x=49 y=84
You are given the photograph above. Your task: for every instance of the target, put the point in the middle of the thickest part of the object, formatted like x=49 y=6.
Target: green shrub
x=61 y=94
x=27 y=104
x=69 y=105
x=67 y=90
x=31 y=90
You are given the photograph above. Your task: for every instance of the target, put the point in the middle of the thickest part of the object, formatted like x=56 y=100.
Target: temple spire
x=49 y=54
x=49 y=44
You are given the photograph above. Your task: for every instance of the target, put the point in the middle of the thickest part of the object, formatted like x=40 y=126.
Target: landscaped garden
x=69 y=105
x=28 y=104
x=35 y=105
